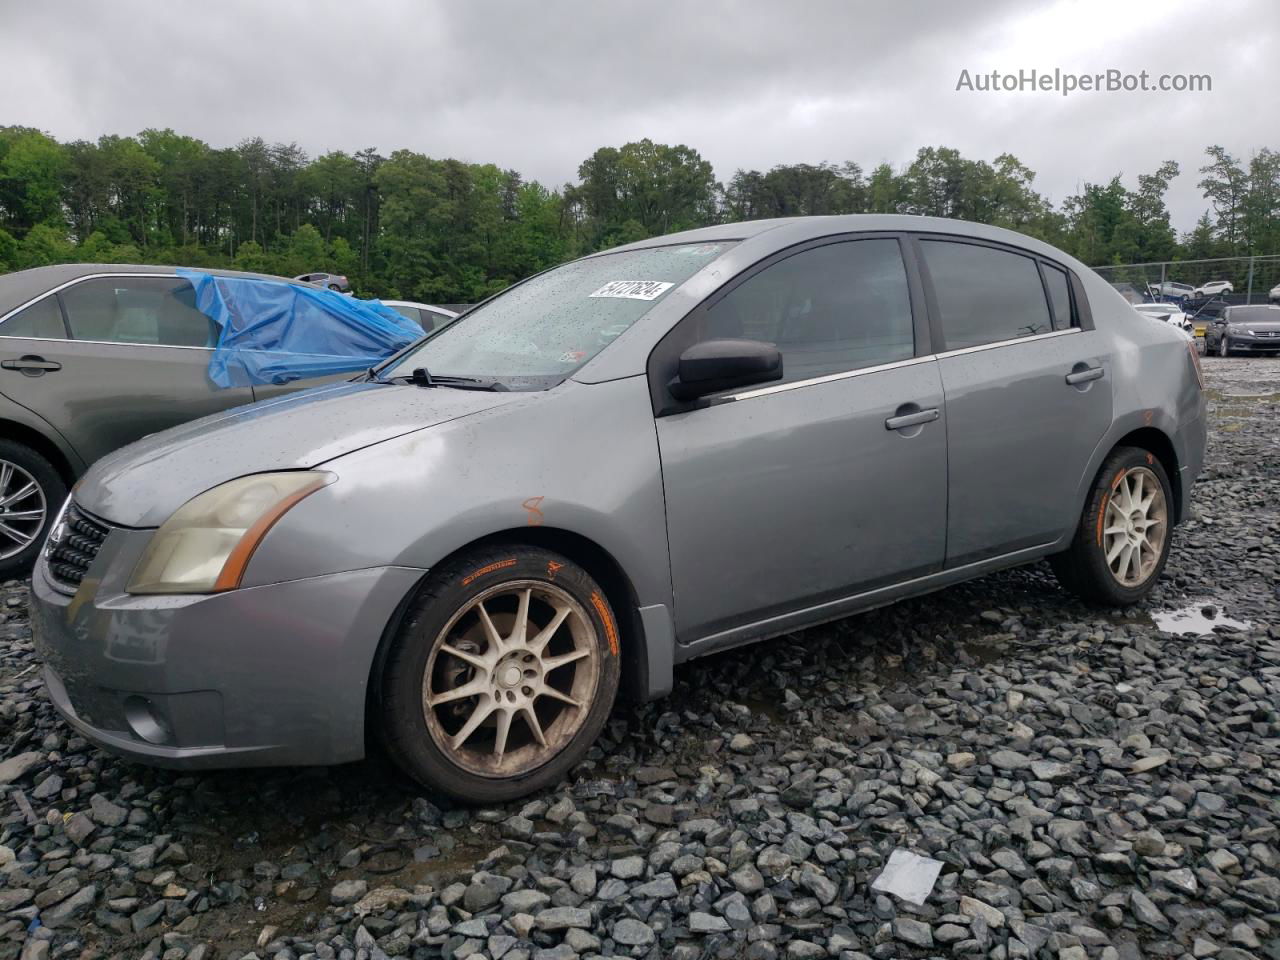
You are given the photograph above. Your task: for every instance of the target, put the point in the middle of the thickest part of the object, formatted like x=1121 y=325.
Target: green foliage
x=440 y=230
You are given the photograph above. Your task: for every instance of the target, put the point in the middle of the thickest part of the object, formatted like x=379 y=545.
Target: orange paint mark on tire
x=1119 y=476
x=488 y=569
x=553 y=568
x=610 y=629
x=1102 y=512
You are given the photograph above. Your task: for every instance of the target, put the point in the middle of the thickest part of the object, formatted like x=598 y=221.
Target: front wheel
x=31 y=491
x=502 y=674
x=1122 y=542
x=1224 y=346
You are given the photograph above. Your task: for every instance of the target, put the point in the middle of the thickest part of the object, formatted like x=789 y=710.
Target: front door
x=811 y=489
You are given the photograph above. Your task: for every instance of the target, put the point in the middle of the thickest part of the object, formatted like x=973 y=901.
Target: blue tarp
x=272 y=331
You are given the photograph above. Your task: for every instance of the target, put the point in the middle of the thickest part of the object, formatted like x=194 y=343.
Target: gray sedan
x=1244 y=329
x=631 y=460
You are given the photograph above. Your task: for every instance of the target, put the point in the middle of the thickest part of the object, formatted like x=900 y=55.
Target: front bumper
x=260 y=676
x=1254 y=344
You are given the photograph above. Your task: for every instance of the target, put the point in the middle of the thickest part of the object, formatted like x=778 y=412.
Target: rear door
x=132 y=359
x=1028 y=393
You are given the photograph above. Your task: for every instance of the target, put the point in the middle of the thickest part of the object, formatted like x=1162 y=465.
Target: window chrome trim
x=105 y=343
x=862 y=371
x=53 y=291
x=959 y=351
x=826 y=378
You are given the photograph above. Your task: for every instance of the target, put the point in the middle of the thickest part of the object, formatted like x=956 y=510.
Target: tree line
x=440 y=230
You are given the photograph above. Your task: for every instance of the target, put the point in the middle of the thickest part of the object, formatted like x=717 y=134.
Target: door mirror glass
x=715 y=365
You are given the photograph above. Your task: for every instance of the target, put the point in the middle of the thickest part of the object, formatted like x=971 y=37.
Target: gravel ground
x=1093 y=786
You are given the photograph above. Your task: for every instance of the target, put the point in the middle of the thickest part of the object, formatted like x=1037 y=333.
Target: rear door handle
x=1084 y=376
x=911 y=419
x=31 y=365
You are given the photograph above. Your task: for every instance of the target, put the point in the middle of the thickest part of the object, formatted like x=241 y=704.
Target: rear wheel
x=1122 y=542
x=502 y=675
x=31 y=491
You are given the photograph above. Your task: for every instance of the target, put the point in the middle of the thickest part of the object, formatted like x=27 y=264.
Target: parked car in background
x=1202 y=311
x=1274 y=294
x=1244 y=329
x=636 y=458
x=1169 y=313
x=330 y=281
x=92 y=357
x=1173 y=289
x=1213 y=288
x=428 y=317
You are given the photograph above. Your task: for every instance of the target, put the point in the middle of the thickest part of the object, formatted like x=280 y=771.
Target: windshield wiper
x=422 y=378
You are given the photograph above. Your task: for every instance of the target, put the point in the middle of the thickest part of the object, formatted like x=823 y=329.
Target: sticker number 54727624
x=634 y=289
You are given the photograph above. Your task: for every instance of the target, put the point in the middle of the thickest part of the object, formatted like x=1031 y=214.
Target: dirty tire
x=54 y=492
x=443 y=603
x=1082 y=568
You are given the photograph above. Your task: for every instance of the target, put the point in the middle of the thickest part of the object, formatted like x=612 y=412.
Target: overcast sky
x=538 y=86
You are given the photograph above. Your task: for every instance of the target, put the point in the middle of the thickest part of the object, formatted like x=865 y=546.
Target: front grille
x=73 y=544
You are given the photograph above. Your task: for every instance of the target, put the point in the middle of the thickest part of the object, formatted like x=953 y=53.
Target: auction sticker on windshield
x=634 y=289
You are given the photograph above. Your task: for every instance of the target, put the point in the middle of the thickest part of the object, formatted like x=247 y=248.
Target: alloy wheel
x=1135 y=526
x=511 y=678
x=22 y=509
x=1224 y=348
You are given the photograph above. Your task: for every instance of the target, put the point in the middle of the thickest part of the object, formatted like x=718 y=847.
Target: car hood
x=142 y=484
x=1257 y=325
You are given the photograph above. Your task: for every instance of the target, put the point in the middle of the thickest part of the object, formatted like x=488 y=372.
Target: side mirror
x=714 y=365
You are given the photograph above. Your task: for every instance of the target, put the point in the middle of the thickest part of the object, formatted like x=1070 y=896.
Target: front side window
x=828 y=309
x=985 y=295
x=43 y=319
x=541 y=331
x=151 y=310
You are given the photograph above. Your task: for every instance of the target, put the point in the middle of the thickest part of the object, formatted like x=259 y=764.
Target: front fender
x=584 y=459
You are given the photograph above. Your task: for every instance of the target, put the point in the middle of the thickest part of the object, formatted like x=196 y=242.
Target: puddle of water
x=1196 y=619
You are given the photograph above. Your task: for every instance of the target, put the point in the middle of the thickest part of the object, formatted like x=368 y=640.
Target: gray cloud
x=537 y=87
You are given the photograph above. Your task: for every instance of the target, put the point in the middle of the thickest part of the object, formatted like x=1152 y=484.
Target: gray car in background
x=637 y=458
x=92 y=357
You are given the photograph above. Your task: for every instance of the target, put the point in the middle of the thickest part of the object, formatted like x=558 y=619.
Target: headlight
x=206 y=545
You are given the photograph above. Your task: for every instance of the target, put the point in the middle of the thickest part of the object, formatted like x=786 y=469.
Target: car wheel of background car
x=334 y=286
x=1122 y=542
x=502 y=674
x=1224 y=346
x=31 y=491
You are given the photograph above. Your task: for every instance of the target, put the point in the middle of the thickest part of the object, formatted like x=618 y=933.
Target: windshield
x=538 y=333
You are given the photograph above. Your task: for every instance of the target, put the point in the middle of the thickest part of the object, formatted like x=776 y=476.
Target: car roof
x=420 y=306
x=23 y=285
x=798 y=229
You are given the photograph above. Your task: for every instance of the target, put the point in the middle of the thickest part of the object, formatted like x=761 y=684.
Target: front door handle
x=1085 y=375
x=911 y=419
x=31 y=365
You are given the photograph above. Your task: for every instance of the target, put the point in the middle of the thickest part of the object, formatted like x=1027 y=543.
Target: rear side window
x=407 y=311
x=828 y=309
x=985 y=295
x=43 y=319
x=150 y=310
x=1055 y=280
x=432 y=321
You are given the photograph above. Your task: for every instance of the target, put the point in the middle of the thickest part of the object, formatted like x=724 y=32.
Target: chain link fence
x=1251 y=279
